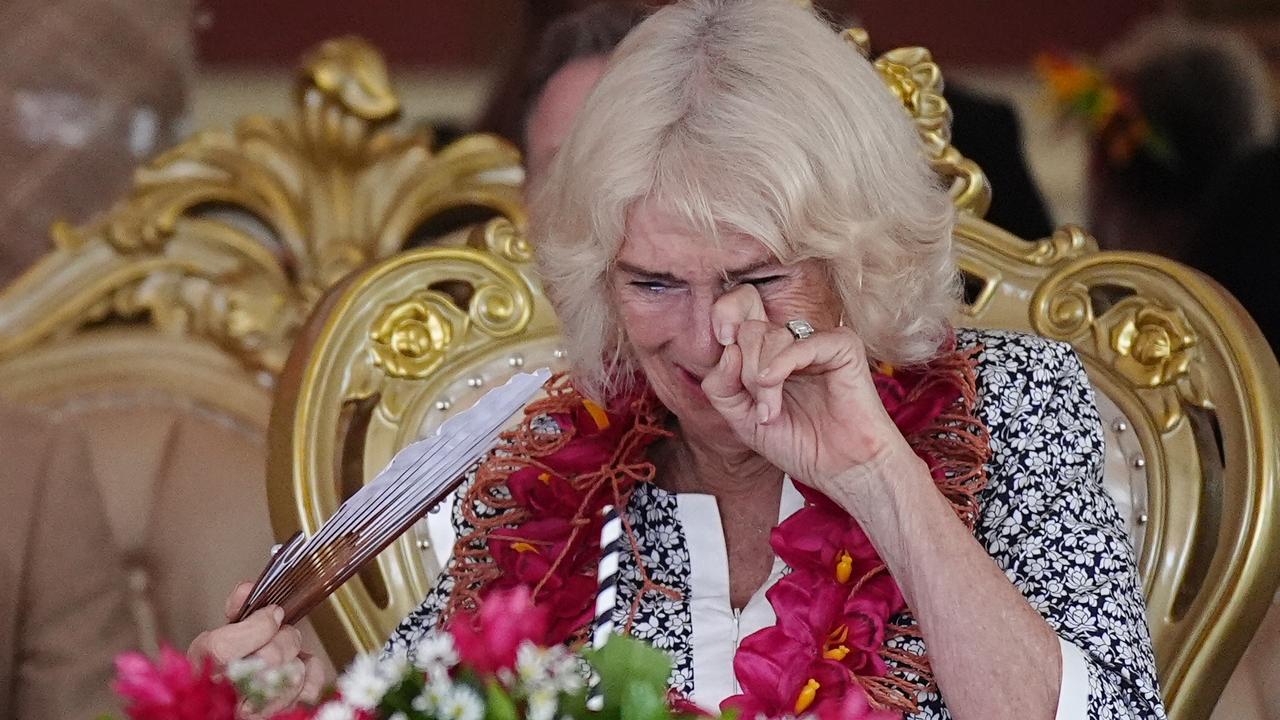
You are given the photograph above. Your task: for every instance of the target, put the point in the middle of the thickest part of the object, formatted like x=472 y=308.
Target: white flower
x=335 y=710
x=532 y=664
x=434 y=652
x=554 y=668
x=260 y=684
x=567 y=671
x=543 y=704
x=461 y=703
x=369 y=678
x=244 y=669
x=438 y=687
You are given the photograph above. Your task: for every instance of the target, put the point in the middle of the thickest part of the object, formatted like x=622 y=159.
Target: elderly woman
x=836 y=503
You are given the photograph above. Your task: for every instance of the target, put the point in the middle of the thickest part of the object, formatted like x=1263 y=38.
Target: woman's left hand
x=808 y=406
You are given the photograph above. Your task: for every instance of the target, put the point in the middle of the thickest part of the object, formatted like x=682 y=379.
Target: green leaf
x=499 y=705
x=625 y=663
x=642 y=702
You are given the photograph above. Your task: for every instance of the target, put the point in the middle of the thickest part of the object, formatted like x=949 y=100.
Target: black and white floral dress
x=1045 y=519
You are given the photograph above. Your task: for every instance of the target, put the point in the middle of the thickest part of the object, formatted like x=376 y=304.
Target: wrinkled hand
x=808 y=406
x=261 y=635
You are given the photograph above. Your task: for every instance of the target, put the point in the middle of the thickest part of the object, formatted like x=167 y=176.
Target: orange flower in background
x=1082 y=92
x=1066 y=79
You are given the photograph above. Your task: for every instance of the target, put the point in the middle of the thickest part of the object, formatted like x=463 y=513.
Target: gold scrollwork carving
x=1069 y=311
x=503 y=238
x=1150 y=345
x=915 y=79
x=498 y=310
x=412 y=336
x=350 y=73
x=410 y=339
x=233 y=236
x=1067 y=242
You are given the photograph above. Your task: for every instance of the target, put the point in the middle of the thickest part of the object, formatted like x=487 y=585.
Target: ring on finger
x=799 y=328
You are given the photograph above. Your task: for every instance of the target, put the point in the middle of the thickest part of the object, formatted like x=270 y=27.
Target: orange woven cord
x=474 y=568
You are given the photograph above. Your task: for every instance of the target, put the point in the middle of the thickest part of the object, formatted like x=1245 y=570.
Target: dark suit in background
x=987 y=131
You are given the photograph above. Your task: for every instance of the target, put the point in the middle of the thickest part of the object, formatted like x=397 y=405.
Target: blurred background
x=88 y=88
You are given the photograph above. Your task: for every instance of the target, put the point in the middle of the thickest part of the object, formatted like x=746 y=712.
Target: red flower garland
x=834 y=609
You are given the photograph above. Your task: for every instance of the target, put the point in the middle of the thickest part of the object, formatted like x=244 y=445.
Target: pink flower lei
x=829 y=653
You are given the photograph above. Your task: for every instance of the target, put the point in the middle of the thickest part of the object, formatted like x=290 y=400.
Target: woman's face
x=664 y=282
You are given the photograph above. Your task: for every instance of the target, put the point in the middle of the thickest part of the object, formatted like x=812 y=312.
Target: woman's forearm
x=992 y=654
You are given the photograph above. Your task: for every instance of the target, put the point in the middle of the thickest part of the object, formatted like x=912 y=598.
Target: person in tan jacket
x=63 y=615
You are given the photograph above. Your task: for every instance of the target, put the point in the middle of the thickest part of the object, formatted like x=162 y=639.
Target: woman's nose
x=699 y=333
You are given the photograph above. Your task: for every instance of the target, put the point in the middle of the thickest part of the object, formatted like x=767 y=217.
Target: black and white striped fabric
x=606 y=593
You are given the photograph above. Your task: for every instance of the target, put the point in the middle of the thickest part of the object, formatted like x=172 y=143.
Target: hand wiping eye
x=789 y=388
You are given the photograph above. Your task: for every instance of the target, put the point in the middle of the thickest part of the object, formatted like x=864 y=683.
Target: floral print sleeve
x=1049 y=523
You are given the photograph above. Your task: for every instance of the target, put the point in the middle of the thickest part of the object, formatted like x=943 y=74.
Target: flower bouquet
x=492 y=665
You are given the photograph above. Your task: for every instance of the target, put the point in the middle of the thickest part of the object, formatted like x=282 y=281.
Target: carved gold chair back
x=1188 y=388
x=161 y=326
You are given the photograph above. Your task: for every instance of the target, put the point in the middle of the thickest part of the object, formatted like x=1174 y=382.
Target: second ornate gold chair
x=1188 y=387
x=159 y=328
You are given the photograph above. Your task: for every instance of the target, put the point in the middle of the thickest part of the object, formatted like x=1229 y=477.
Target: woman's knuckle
x=271 y=654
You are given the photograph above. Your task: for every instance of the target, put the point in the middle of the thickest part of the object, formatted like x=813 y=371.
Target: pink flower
x=172 y=688
x=829 y=544
x=913 y=404
x=487 y=641
x=772 y=667
x=851 y=706
x=545 y=494
x=527 y=553
x=526 y=556
x=827 y=635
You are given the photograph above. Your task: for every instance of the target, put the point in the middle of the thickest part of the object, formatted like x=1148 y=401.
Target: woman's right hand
x=261 y=635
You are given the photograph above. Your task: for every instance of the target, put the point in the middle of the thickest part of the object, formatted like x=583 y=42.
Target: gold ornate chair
x=160 y=327
x=1188 y=387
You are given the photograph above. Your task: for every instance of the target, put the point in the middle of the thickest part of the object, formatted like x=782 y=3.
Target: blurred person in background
x=987 y=130
x=89 y=89
x=1237 y=235
x=63 y=615
x=571 y=53
x=1178 y=103
x=567 y=60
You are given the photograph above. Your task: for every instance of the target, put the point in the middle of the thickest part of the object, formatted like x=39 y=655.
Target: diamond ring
x=800 y=329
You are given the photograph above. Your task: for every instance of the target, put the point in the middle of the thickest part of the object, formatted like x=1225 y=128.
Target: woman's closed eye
x=758 y=282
